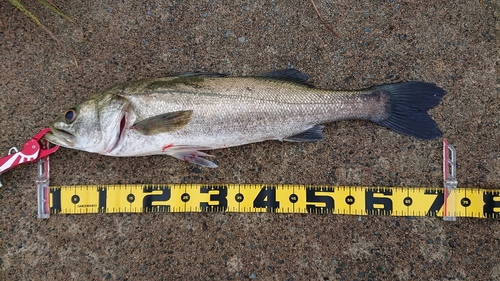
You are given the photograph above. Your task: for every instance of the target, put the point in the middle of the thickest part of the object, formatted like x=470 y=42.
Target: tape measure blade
x=347 y=200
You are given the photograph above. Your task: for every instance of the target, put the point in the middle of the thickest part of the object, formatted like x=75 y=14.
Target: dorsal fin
x=202 y=74
x=290 y=75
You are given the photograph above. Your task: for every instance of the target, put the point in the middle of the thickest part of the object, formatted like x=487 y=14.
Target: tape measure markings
x=350 y=200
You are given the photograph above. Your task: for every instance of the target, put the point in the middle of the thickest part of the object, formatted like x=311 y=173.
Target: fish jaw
x=60 y=137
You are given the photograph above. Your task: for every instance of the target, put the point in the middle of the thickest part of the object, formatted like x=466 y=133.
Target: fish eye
x=70 y=115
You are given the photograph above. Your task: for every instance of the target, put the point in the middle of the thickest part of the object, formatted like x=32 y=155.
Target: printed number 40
x=266 y=199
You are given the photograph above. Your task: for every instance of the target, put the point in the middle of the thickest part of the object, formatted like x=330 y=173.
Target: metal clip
x=31 y=152
x=450 y=181
x=42 y=185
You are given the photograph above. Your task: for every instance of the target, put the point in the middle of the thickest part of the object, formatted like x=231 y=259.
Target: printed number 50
x=312 y=197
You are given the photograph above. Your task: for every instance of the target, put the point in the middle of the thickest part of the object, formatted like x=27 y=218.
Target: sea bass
x=183 y=115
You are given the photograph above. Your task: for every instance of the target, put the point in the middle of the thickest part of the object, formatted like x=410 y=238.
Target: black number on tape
x=267 y=199
x=326 y=200
x=438 y=201
x=491 y=205
x=378 y=205
x=220 y=197
x=102 y=198
x=147 y=203
x=55 y=202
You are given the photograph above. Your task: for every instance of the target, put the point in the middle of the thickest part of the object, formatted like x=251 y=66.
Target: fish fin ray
x=290 y=75
x=167 y=122
x=313 y=134
x=194 y=157
x=203 y=74
x=407 y=108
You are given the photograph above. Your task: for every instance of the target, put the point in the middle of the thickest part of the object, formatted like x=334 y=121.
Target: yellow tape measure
x=279 y=198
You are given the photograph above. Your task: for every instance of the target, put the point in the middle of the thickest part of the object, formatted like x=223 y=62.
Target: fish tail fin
x=407 y=108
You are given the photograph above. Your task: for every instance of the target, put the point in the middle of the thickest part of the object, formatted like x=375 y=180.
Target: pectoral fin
x=193 y=157
x=168 y=122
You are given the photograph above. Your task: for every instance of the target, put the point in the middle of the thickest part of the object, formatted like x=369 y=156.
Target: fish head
x=95 y=125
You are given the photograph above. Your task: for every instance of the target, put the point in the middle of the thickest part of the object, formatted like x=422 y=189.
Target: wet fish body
x=183 y=115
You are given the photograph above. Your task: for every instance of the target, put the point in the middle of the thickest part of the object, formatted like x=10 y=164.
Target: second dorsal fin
x=291 y=75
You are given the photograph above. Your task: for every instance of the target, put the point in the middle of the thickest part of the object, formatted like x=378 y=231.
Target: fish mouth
x=60 y=137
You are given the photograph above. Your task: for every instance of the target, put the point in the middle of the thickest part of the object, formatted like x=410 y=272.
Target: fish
x=184 y=115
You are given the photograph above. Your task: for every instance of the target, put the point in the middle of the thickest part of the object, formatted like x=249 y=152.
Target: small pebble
x=241 y=39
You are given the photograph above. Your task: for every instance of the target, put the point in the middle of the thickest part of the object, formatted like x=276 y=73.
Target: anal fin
x=313 y=134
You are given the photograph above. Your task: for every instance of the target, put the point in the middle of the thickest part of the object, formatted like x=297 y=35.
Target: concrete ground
x=451 y=43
